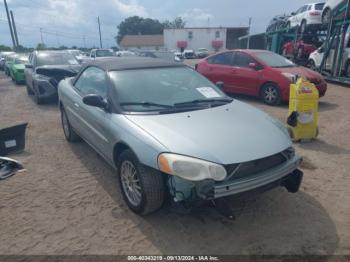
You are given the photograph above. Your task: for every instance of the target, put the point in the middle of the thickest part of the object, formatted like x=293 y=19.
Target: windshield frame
x=162 y=110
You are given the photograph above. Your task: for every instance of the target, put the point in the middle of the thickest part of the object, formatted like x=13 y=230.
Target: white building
x=211 y=38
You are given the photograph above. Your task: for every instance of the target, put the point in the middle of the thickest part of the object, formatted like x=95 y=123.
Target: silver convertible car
x=168 y=131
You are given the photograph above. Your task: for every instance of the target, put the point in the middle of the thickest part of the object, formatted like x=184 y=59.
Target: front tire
x=142 y=188
x=270 y=94
x=68 y=131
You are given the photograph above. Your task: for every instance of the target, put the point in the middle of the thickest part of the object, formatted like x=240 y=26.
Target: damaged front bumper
x=286 y=174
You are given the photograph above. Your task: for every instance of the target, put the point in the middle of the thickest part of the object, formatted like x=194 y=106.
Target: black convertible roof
x=126 y=63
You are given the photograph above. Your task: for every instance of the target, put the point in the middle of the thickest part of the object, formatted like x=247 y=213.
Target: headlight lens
x=190 y=168
x=291 y=77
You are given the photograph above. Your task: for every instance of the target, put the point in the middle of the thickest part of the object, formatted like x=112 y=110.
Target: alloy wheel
x=131 y=183
x=270 y=94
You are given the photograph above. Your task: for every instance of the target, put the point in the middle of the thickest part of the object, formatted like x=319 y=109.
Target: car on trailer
x=298 y=49
x=316 y=57
x=335 y=8
x=156 y=122
x=258 y=73
x=279 y=22
x=309 y=16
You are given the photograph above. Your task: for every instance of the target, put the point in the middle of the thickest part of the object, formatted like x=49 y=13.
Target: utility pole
x=41 y=35
x=9 y=21
x=248 y=41
x=14 y=28
x=99 y=30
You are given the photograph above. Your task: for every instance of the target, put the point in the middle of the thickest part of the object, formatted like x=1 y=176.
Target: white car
x=307 y=16
x=329 y=7
x=315 y=58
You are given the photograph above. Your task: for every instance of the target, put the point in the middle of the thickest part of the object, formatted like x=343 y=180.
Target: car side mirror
x=95 y=100
x=220 y=85
x=28 y=66
x=320 y=50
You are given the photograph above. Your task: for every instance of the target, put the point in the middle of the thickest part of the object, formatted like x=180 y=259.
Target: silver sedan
x=166 y=129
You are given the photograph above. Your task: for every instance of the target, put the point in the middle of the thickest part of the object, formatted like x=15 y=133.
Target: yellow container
x=303 y=110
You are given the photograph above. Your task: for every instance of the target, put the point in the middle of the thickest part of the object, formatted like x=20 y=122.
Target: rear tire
x=148 y=182
x=68 y=131
x=311 y=64
x=270 y=94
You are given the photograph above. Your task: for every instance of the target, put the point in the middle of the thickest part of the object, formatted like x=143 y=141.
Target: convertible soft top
x=126 y=63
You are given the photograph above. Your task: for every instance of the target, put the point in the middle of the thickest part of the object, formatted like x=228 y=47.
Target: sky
x=74 y=22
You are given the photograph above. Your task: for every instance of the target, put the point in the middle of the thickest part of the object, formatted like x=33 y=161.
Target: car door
x=220 y=70
x=94 y=122
x=245 y=78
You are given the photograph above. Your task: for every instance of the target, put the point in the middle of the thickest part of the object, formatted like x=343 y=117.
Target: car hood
x=58 y=72
x=18 y=66
x=228 y=134
x=300 y=71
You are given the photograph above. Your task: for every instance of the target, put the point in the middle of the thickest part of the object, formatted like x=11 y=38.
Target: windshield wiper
x=146 y=104
x=203 y=101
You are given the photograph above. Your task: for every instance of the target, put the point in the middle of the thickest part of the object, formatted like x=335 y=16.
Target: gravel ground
x=68 y=201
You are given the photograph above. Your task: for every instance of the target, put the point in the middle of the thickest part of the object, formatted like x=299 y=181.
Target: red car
x=259 y=73
x=298 y=49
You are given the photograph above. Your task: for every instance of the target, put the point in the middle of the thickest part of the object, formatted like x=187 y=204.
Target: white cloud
x=131 y=8
x=196 y=16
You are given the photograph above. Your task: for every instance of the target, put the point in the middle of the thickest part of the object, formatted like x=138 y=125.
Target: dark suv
x=44 y=71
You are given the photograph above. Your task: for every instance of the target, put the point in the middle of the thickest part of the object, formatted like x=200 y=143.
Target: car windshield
x=56 y=59
x=165 y=89
x=103 y=53
x=274 y=60
x=319 y=6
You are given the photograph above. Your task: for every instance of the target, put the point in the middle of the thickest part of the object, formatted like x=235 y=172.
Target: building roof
x=142 y=40
x=127 y=63
x=217 y=27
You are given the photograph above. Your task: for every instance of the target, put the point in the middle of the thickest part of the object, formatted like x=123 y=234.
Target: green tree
x=5 y=48
x=136 y=25
x=41 y=46
x=178 y=22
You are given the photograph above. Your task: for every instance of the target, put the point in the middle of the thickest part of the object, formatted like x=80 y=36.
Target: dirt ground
x=68 y=201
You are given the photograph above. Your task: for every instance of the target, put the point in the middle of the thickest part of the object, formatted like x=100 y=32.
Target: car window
x=242 y=60
x=221 y=59
x=92 y=81
x=319 y=6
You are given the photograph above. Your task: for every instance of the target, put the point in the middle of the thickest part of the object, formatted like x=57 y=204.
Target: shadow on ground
x=275 y=222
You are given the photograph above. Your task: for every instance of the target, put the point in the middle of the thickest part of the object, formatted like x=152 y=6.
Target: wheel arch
x=118 y=148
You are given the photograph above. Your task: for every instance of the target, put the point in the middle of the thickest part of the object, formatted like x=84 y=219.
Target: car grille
x=247 y=169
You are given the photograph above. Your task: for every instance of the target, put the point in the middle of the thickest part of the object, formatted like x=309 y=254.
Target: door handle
x=76 y=105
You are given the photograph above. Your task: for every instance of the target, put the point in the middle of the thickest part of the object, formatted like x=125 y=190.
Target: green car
x=8 y=62
x=17 y=69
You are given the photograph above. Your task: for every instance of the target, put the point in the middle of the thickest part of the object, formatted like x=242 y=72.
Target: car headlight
x=291 y=77
x=190 y=168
